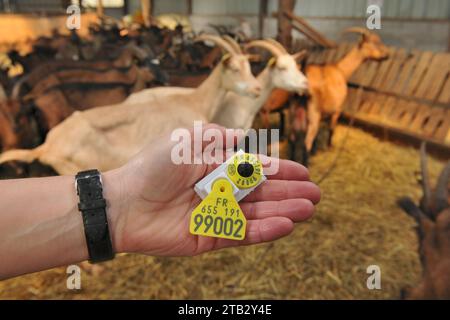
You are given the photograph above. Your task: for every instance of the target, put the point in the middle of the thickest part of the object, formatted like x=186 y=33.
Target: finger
x=258 y=231
x=295 y=209
x=276 y=190
x=287 y=169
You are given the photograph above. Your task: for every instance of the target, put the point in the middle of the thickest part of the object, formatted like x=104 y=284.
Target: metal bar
x=263 y=8
x=308 y=29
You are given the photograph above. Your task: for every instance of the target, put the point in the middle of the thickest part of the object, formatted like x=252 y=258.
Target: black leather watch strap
x=93 y=210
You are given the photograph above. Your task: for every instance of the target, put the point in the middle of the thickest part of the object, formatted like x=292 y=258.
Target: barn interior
x=392 y=131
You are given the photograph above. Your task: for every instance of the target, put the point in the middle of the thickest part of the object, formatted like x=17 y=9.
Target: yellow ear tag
x=219 y=214
x=225 y=56
x=271 y=62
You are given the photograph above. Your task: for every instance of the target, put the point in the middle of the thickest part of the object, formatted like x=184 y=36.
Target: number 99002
x=218 y=225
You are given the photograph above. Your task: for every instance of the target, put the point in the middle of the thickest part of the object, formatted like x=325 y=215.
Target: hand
x=154 y=199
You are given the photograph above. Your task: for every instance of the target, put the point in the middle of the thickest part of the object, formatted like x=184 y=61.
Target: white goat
x=281 y=72
x=237 y=111
x=242 y=87
x=106 y=137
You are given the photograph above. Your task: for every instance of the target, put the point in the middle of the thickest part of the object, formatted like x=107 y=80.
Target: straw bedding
x=357 y=224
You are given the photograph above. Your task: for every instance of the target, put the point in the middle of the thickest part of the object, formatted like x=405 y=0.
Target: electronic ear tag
x=219 y=214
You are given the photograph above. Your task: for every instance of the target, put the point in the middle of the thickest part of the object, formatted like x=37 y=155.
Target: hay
x=356 y=224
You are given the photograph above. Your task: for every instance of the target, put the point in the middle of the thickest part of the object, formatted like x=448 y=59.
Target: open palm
x=157 y=198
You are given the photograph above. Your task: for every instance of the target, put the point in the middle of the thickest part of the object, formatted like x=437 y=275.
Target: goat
x=66 y=69
x=133 y=77
x=60 y=101
x=90 y=89
x=433 y=218
x=60 y=94
x=45 y=49
x=18 y=128
x=281 y=72
x=239 y=111
x=238 y=64
x=328 y=83
x=107 y=137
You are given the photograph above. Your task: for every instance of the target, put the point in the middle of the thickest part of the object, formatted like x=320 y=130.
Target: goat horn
x=218 y=41
x=441 y=193
x=277 y=44
x=357 y=30
x=233 y=43
x=425 y=180
x=15 y=93
x=266 y=45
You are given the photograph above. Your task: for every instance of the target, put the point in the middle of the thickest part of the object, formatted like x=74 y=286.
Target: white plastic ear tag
x=219 y=214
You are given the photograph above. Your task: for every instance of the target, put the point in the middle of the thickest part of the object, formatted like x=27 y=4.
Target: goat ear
x=299 y=56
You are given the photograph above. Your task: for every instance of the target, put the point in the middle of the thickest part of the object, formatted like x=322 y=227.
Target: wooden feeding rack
x=407 y=94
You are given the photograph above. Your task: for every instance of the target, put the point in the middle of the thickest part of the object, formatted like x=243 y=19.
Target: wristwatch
x=92 y=206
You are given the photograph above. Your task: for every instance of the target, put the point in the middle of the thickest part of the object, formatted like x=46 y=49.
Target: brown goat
x=17 y=127
x=60 y=94
x=66 y=91
x=67 y=69
x=328 y=83
x=127 y=77
x=327 y=87
x=433 y=218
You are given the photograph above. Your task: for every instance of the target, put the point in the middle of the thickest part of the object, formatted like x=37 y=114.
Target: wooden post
x=65 y=4
x=189 y=7
x=100 y=11
x=146 y=8
x=448 y=49
x=263 y=5
x=125 y=9
x=284 y=25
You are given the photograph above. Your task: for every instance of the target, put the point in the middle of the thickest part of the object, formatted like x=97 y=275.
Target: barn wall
x=422 y=35
x=22 y=27
x=421 y=24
